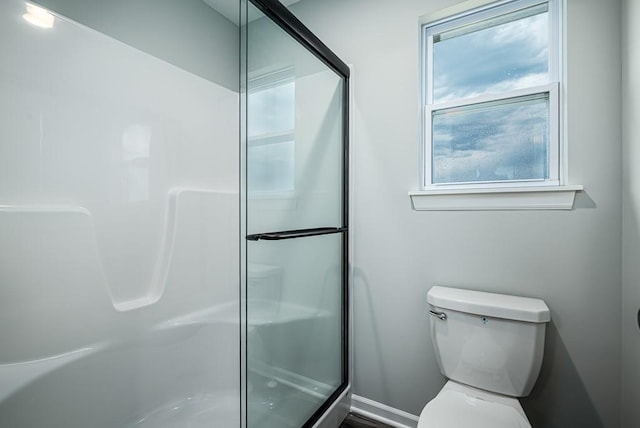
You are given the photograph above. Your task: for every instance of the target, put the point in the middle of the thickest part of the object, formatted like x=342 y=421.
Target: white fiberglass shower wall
x=139 y=286
x=119 y=302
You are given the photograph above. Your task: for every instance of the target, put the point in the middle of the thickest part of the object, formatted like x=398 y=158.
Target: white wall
x=630 y=213
x=570 y=259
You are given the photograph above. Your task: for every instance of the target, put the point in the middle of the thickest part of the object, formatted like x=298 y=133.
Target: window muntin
x=491 y=97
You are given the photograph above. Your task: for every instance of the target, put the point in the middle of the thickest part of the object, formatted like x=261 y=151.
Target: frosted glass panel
x=294 y=347
x=495 y=141
x=506 y=53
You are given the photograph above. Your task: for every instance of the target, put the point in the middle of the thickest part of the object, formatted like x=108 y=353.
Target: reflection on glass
x=271 y=111
x=494 y=141
x=506 y=53
x=271 y=106
x=272 y=167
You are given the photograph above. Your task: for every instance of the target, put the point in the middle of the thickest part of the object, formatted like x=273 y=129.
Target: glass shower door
x=296 y=223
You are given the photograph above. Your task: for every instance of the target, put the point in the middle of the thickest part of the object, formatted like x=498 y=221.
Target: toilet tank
x=490 y=341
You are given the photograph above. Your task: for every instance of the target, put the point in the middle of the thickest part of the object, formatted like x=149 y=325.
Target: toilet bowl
x=490 y=347
x=461 y=406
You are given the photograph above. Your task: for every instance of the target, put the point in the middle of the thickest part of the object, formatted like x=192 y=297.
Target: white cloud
x=509 y=56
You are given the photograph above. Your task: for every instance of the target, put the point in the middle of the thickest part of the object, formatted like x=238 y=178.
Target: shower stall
x=173 y=216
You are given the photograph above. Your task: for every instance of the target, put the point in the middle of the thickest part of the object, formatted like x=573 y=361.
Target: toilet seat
x=462 y=406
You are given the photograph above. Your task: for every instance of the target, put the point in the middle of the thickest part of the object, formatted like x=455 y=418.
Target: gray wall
x=185 y=33
x=570 y=259
x=630 y=212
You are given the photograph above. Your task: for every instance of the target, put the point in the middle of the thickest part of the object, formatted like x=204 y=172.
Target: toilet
x=489 y=346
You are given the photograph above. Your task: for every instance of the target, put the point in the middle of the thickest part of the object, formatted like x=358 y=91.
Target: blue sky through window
x=500 y=140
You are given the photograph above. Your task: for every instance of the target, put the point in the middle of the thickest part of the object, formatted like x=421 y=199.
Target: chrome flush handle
x=440 y=315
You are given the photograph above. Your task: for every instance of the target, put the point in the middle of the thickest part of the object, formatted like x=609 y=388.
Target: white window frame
x=553 y=88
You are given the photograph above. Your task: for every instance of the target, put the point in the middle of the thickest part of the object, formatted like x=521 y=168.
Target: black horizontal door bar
x=291 y=234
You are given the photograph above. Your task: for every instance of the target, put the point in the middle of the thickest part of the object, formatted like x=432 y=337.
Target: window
x=270 y=129
x=491 y=97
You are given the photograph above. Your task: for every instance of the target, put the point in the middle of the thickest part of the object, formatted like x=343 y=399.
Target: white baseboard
x=382 y=413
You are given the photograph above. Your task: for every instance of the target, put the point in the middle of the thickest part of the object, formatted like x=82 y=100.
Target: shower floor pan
x=178 y=375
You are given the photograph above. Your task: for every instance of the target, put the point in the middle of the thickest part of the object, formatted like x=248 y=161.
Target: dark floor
x=355 y=421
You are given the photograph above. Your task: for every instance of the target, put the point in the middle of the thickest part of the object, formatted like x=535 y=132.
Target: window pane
x=493 y=141
x=500 y=54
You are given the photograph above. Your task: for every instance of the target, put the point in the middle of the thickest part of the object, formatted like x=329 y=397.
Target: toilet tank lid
x=489 y=304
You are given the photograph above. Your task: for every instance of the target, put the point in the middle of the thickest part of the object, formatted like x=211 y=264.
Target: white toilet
x=490 y=348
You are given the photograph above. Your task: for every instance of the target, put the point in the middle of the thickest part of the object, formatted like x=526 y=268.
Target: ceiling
x=229 y=9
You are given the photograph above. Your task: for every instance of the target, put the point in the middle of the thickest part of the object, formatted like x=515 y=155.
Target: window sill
x=495 y=199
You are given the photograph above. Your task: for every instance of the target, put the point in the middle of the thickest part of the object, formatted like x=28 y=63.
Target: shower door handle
x=291 y=234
